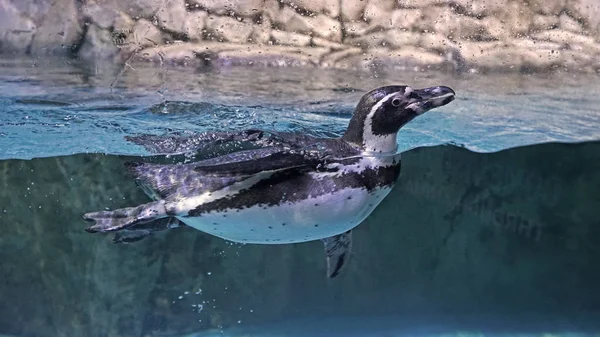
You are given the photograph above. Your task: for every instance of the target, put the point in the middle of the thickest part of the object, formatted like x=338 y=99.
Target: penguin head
x=381 y=113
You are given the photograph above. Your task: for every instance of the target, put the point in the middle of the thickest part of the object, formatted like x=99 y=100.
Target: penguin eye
x=396 y=102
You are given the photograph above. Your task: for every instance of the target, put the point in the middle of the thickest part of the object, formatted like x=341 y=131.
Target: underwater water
x=493 y=227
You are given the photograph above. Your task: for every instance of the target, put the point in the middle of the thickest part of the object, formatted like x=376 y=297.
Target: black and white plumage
x=277 y=187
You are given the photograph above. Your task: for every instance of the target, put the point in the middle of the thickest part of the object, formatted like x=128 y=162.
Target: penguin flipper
x=337 y=252
x=276 y=161
x=177 y=144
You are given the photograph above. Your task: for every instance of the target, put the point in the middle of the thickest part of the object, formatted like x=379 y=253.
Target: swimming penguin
x=287 y=188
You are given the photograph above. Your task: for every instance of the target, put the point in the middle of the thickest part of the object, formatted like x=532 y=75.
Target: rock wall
x=460 y=35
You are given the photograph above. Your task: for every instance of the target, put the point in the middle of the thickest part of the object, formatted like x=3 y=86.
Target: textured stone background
x=507 y=235
x=459 y=35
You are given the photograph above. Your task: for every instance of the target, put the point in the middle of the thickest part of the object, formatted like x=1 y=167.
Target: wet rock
x=106 y=17
x=368 y=41
x=352 y=10
x=223 y=28
x=525 y=56
x=135 y=8
x=420 y=3
x=485 y=58
x=172 y=16
x=495 y=28
x=335 y=59
x=122 y=26
x=564 y=37
x=98 y=45
x=261 y=33
x=228 y=7
x=144 y=34
x=443 y=20
x=543 y=22
x=436 y=42
x=536 y=44
x=178 y=53
x=405 y=18
x=290 y=39
x=102 y=17
x=144 y=8
x=378 y=11
x=434 y=25
x=35 y=10
x=568 y=23
x=516 y=18
x=267 y=58
x=59 y=31
x=589 y=11
x=398 y=38
x=320 y=42
x=548 y=7
x=285 y=18
x=186 y=53
x=578 y=61
x=473 y=53
x=417 y=56
x=16 y=31
x=482 y=7
x=329 y=7
x=272 y=10
x=319 y=25
x=405 y=58
x=232 y=54
x=538 y=59
x=194 y=24
x=356 y=28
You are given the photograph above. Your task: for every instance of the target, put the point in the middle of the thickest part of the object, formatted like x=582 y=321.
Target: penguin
x=285 y=188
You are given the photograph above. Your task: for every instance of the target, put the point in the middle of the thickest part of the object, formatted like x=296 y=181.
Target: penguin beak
x=423 y=100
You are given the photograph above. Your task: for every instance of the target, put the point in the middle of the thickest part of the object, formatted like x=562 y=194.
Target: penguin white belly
x=300 y=221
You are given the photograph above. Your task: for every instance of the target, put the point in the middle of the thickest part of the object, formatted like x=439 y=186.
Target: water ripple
x=49 y=118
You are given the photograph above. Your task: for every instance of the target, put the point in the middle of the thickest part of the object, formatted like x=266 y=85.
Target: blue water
x=434 y=253
x=50 y=110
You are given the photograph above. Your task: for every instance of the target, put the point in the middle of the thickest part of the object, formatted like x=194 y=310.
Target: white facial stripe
x=375 y=143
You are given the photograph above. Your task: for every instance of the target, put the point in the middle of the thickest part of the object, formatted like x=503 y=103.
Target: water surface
x=58 y=109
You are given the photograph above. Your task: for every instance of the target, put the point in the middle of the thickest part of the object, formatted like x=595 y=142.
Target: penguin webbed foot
x=109 y=221
x=337 y=252
x=129 y=236
x=141 y=231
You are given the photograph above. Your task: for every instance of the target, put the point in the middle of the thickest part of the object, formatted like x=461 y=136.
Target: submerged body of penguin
x=288 y=188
